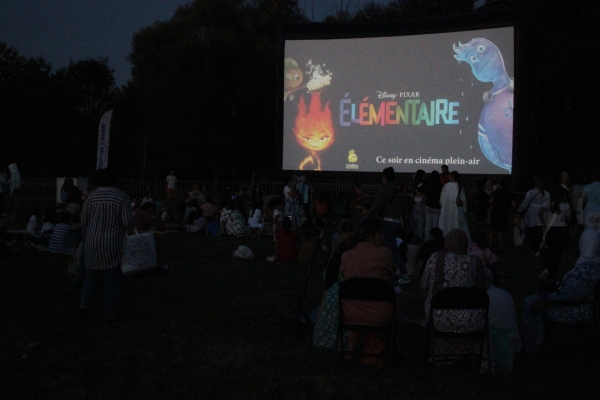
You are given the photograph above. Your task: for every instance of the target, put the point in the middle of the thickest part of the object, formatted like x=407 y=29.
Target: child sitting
x=34 y=225
x=255 y=218
x=212 y=226
x=479 y=247
x=196 y=222
x=61 y=232
x=143 y=217
x=287 y=242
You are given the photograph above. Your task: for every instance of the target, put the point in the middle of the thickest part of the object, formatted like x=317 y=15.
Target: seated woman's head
x=457 y=242
x=369 y=230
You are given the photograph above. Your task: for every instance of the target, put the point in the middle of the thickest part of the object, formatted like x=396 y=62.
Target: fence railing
x=42 y=191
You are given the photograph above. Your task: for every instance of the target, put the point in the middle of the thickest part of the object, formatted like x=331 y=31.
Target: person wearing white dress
x=454 y=206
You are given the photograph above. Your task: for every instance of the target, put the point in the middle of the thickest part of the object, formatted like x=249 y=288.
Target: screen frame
x=326 y=31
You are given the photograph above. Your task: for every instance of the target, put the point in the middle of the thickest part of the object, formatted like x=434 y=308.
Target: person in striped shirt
x=106 y=217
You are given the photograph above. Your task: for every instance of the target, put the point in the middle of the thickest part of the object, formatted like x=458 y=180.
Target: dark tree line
x=49 y=120
x=204 y=85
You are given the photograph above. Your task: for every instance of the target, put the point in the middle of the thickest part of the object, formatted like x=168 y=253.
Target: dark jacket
x=389 y=202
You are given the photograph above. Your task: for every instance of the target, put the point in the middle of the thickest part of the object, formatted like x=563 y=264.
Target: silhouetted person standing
x=106 y=217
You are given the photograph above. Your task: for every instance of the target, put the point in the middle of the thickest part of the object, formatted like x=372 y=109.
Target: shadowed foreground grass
x=211 y=328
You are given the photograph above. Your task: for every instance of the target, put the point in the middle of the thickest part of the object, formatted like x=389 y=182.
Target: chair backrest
x=460 y=298
x=367 y=289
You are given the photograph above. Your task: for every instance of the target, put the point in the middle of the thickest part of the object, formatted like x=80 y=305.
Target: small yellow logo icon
x=352 y=157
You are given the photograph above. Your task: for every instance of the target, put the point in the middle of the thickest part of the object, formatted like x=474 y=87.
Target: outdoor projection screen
x=409 y=102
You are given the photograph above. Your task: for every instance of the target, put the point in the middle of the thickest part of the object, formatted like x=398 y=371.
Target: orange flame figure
x=314 y=129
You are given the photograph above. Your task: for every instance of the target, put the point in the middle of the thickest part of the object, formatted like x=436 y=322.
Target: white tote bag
x=139 y=253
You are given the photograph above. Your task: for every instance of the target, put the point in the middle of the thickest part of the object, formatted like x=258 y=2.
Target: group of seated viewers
x=437 y=263
x=59 y=230
x=450 y=261
x=197 y=214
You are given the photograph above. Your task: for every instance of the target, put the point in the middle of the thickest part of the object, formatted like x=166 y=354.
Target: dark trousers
x=107 y=282
x=389 y=230
x=535 y=234
x=307 y=213
x=556 y=241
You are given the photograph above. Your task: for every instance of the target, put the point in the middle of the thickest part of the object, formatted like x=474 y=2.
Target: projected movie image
x=410 y=102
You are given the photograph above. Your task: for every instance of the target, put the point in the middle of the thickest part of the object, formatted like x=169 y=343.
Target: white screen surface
x=410 y=102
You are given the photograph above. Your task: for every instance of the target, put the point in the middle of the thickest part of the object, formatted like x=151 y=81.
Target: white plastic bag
x=244 y=252
x=519 y=235
x=139 y=253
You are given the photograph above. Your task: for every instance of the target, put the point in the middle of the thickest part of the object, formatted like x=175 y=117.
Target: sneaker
x=404 y=280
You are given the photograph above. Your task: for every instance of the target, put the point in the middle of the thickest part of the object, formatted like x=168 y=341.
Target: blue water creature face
x=483 y=56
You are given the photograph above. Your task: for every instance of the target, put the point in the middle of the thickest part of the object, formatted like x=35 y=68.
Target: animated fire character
x=313 y=130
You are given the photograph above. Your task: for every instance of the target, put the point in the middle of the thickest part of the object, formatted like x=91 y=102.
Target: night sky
x=63 y=30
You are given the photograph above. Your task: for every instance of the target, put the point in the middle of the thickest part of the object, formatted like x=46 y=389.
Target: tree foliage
x=204 y=87
x=203 y=83
x=49 y=119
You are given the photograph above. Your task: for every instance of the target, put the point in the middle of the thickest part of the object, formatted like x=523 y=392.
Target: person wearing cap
x=530 y=206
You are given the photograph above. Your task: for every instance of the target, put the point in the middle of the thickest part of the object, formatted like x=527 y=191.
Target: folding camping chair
x=459 y=298
x=371 y=290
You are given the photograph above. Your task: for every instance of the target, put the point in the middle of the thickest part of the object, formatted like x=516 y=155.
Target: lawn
x=212 y=329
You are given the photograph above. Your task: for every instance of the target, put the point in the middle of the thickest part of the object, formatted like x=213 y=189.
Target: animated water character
x=496 y=120
x=313 y=129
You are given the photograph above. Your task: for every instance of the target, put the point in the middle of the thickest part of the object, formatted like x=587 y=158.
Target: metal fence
x=42 y=191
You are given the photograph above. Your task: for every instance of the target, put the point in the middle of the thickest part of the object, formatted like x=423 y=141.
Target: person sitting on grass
x=165 y=221
x=192 y=207
x=61 y=232
x=255 y=218
x=212 y=226
x=232 y=222
x=49 y=223
x=578 y=286
x=34 y=225
x=143 y=217
x=209 y=208
x=287 y=242
x=479 y=247
x=504 y=331
x=343 y=230
x=147 y=199
x=196 y=222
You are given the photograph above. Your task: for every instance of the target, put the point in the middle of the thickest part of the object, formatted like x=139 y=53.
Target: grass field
x=212 y=329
